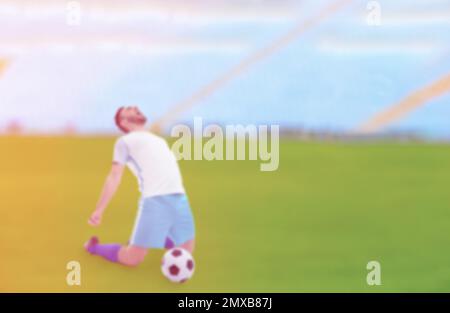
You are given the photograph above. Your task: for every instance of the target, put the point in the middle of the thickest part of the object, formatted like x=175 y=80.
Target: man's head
x=129 y=118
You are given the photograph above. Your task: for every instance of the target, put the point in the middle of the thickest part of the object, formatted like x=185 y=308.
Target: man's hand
x=95 y=219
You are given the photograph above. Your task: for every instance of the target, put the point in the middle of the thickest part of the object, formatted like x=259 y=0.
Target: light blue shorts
x=161 y=217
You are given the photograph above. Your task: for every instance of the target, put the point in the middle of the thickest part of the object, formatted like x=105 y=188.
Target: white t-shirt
x=151 y=161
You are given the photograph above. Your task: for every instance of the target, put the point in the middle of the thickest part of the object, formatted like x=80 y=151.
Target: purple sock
x=108 y=251
x=169 y=243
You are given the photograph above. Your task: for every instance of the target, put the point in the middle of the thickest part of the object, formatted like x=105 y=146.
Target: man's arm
x=109 y=189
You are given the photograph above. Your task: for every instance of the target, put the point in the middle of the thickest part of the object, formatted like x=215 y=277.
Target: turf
x=313 y=225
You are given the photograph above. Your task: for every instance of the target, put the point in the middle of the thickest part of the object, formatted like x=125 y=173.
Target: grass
x=311 y=226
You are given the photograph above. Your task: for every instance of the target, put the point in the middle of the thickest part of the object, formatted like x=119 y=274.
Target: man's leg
x=189 y=246
x=126 y=255
x=132 y=255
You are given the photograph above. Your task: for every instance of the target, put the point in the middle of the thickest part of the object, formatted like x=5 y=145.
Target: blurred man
x=164 y=217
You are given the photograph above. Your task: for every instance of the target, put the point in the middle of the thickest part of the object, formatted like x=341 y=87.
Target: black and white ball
x=177 y=265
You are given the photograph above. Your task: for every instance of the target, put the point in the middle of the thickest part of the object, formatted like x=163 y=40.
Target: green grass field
x=310 y=226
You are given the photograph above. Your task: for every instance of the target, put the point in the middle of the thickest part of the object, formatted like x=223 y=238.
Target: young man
x=164 y=218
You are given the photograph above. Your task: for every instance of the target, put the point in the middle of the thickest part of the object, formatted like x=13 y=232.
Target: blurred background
x=66 y=65
x=321 y=69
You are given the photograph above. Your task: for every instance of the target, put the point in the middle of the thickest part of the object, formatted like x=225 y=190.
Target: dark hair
x=118 y=120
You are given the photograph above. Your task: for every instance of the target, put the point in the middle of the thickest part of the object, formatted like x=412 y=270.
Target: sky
x=73 y=63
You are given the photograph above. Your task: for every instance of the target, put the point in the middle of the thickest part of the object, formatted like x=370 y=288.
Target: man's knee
x=132 y=256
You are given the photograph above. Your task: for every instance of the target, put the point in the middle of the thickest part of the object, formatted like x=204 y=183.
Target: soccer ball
x=177 y=265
